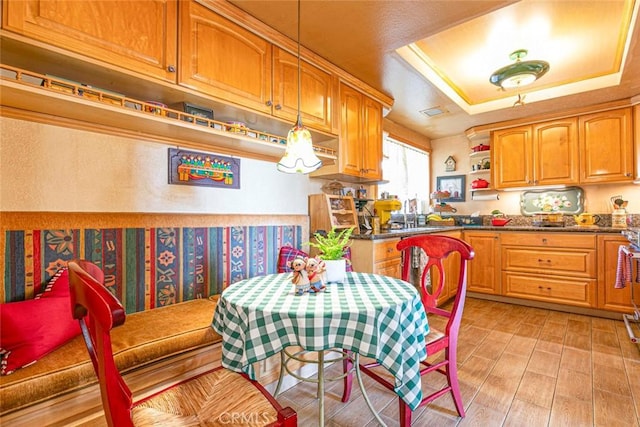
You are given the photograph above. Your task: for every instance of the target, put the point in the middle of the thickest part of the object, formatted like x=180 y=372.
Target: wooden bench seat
x=153 y=347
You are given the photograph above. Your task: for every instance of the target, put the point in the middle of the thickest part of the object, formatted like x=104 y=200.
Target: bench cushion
x=145 y=337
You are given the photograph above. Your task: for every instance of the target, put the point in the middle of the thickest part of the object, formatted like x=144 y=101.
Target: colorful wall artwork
x=203 y=169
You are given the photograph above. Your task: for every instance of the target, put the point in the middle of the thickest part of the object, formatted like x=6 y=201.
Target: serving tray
x=568 y=200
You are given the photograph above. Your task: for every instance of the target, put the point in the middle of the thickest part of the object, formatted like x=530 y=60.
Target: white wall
x=597 y=197
x=50 y=168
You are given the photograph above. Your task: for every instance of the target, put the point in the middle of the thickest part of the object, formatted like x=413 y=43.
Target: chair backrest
x=98 y=311
x=432 y=281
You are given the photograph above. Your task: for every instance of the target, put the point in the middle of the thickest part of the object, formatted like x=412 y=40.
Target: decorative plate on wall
x=568 y=200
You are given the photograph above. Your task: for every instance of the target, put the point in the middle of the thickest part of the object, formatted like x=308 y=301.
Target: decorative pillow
x=288 y=254
x=36 y=327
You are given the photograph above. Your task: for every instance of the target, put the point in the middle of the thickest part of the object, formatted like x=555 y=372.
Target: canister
x=619 y=218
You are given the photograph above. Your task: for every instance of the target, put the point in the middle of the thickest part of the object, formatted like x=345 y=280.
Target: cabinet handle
x=171 y=68
x=278 y=107
x=389 y=250
x=544 y=260
x=269 y=103
x=542 y=288
x=544 y=241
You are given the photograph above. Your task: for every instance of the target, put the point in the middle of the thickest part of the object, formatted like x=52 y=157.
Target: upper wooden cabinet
x=316 y=93
x=541 y=154
x=606 y=146
x=224 y=59
x=360 y=144
x=229 y=62
x=136 y=35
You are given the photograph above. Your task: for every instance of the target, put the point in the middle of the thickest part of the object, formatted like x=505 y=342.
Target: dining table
x=371 y=315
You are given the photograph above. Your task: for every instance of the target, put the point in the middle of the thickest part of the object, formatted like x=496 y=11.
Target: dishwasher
x=628 y=261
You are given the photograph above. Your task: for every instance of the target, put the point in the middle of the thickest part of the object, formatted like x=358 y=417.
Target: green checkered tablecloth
x=375 y=316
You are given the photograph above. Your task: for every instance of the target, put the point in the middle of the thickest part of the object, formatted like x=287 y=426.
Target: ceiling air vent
x=433 y=111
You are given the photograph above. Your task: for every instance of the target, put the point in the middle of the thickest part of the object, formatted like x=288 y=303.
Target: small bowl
x=499 y=222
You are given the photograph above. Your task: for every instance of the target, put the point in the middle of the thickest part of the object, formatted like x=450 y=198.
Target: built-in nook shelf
x=53 y=96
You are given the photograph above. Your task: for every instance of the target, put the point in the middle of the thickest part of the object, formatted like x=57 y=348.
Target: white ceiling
x=582 y=41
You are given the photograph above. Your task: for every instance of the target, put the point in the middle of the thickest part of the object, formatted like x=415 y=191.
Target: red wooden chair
x=215 y=397
x=437 y=249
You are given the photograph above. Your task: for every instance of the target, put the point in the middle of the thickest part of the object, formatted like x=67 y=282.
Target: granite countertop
x=406 y=232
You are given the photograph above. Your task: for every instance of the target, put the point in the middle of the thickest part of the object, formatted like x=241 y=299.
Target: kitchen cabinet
x=610 y=298
x=483 y=274
x=377 y=256
x=451 y=272
x=138 y=36
x=225 y=60
x=606 y=147
x=328 y=211
x=360 y=143
x=316 y=94
x=552 y=267
x=536 y=155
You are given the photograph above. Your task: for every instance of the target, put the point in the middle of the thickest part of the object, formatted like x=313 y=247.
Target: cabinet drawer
x=562 y=240
x=574 y=263
x=386 y=249
x=580 y=292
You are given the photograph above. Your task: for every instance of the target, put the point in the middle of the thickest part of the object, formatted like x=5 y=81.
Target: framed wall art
x=454 y=184
x=203 y=169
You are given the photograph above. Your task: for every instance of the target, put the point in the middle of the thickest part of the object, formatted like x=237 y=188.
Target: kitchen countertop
x=406 y=232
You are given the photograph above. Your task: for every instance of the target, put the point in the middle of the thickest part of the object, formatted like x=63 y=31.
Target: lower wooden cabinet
x=610 y=298
x=556 y=289
x=550 y=267
x=376 y=256
x=483 y=271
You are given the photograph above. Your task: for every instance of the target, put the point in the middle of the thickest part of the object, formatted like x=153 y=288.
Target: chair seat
x=217 y=397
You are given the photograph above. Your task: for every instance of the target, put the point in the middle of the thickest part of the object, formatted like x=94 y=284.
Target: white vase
x=335 y=270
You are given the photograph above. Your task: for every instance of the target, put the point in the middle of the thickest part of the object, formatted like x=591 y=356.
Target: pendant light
x=520 y=73
x=299 y=156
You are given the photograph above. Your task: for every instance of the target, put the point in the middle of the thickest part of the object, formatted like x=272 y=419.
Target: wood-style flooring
x=518 y=366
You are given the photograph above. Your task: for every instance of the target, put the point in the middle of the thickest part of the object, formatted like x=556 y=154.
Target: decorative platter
x=568 y=200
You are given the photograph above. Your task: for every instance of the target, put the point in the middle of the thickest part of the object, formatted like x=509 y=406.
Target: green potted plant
x=331 y=247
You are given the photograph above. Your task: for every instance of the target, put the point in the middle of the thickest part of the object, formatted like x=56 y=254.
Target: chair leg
x=405 y=414
x=347 y=368
x=282 y=371
x=452 y=378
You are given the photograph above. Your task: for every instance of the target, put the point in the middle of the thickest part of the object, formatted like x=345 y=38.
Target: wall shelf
x=33 y=92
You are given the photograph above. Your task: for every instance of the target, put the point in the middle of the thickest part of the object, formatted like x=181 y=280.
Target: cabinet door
x=606 y=147
x=391 y=268
x=484 y=269
x=555 y=156
x=512 y=157
x=351 y=104
x=222 y=59
x=136 y=35
x=372 y=143
x=316 y=84
x=610 y=298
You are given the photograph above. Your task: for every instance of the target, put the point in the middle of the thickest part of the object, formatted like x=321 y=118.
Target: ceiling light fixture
x=299 y=156
x=520 y=73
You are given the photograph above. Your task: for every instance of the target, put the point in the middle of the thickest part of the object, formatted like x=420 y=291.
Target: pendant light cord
x=299 y=72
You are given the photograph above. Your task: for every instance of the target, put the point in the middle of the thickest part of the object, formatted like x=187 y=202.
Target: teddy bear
x=315 y=272
x=299 y=278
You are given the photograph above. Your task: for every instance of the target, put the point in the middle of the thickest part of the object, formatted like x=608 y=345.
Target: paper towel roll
x=475 y=196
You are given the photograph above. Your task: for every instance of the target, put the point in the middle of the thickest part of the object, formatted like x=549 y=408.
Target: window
x=407 y=170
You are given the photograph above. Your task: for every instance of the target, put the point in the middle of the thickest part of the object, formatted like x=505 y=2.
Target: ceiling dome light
x=520 y=73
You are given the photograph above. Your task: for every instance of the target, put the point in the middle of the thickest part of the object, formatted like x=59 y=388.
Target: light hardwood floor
x=518 y=366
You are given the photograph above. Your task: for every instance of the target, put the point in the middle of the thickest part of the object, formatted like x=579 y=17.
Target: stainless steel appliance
x=633 y=252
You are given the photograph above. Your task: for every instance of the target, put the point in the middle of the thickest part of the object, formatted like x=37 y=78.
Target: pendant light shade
x=520 y=73
x=299 y=156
